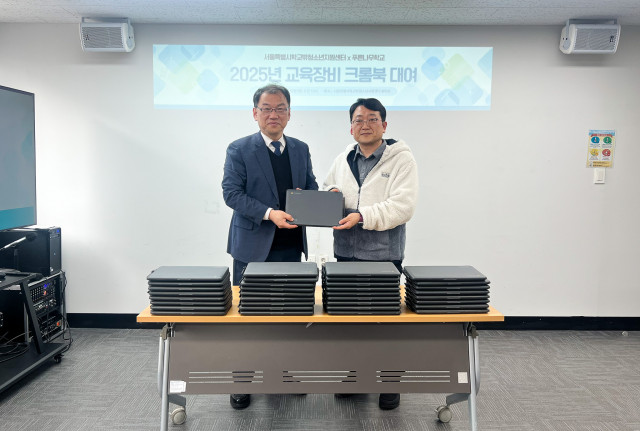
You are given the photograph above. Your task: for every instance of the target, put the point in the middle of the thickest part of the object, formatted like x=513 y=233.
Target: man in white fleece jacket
x=379 y=180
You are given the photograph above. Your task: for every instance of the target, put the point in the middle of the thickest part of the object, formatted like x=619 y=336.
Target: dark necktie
x=276 y=145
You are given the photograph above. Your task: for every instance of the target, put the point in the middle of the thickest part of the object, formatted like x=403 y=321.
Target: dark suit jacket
x=249 y=188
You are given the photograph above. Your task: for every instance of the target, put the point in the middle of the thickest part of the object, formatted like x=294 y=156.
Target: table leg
x=476 y=361
x=473 y=373
x=164 y=411
x=160 y=364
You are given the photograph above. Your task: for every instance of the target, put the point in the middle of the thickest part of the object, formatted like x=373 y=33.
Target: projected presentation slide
x=323 y=77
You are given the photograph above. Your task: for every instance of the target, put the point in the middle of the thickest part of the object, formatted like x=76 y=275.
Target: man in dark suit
x=257 y=172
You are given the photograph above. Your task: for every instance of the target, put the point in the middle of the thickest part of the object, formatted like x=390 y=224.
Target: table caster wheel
x=179 y=416
x=444 y=414
x=57 y=359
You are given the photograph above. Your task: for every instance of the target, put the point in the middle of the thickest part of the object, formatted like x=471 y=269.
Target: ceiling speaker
x=107 y=35
x=589 y=38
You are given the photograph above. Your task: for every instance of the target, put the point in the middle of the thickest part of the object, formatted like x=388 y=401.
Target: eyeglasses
x=268 y=111
x=371 y=121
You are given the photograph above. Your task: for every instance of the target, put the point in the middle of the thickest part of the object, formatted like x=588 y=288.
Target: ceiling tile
x=356 y=12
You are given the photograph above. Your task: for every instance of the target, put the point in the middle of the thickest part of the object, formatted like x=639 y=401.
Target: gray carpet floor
x=530 y=381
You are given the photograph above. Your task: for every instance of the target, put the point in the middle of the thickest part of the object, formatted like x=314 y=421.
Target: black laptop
x=189 y=274
x=315 y=208
x=359 y=271
x=280 y=270
x=444 y=273
x=223 y=283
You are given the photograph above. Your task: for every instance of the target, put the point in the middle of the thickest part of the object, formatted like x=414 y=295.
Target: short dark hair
x=271 y=89
x=371 y=104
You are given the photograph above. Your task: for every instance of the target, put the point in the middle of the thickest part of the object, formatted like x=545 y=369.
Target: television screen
x=17 y=159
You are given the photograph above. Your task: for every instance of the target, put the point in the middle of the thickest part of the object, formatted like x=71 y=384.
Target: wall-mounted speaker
x=589 y=38
x=106 y=35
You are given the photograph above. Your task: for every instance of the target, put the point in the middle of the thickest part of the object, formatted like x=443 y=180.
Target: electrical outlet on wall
x=598 y=175
x=322 y=259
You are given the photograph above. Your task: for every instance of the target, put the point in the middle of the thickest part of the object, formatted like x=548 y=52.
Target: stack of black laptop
x=190 y=290
x=446 y=289
x=278 y=289
x=360 y=288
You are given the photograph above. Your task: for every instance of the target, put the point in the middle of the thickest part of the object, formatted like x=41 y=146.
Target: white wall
x=504 y=190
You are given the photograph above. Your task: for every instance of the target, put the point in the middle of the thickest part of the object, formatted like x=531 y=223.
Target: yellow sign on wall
x=600 y=149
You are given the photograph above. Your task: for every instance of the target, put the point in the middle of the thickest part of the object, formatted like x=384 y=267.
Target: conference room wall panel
x=506 y=190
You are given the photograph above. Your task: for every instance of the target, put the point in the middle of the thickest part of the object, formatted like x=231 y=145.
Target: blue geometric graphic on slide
x=462 y=89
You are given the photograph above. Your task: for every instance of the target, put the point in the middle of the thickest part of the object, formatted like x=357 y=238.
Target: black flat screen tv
x=17 y=159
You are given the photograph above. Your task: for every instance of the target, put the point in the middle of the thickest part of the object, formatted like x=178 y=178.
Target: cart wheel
x=57 y=358
x=444 y=414
x=179 y=416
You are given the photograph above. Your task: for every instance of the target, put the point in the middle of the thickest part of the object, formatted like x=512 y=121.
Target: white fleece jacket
x=388 y=194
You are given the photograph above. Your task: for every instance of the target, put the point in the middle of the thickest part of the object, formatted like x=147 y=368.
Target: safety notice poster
x=601 y=146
